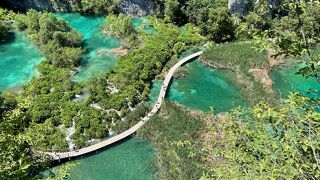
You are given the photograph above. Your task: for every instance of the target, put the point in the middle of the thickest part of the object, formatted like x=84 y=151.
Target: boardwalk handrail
x=133 y=129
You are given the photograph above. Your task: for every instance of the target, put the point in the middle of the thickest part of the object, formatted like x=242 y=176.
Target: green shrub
x=280 y=142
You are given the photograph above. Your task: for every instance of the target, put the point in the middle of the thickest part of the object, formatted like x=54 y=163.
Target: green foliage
x=120 y=25
x=268 y=142
x=296 y=33
x=211 y=16
x=96 y=127
x=133 y=117
x=49 y=93
x=219 y=25
x=51 y=108
x=240 y=57
x=172 y=10
x=58 y=42
x=260 y=18
x=174 y=132
x=134 y=71
x=47 y=135
x=6 y=15
x=17 y=160
x=16 y=157
x=5 y=24
x=63 y=172
x=235 y=55
x=3 y=30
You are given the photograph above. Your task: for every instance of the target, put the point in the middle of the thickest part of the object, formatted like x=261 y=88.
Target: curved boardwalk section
x=133 y=129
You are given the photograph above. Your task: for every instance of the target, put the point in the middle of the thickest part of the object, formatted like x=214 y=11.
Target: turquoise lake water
x=285 y=80
x=136 y=22
x=131 y=159
x=201 y=88
x=18 y=60
x=97 y=59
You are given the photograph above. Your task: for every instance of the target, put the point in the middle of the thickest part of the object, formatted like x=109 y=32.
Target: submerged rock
x=116 y=51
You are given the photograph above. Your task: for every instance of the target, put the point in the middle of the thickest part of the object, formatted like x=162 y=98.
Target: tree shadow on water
x=8 y=38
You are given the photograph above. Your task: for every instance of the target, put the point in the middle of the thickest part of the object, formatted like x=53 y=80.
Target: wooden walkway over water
x=133 y=129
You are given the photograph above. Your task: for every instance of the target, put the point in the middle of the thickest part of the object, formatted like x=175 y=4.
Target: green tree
x=3 y=30
x=268 y=142
x=17 y=159
x=254 y=21
x=56 y=40
x=172 y=10
x=98 y=6
x=120 y=25
x=213 y=18
x=5 y=27
x=63 y=172
x=297 y=34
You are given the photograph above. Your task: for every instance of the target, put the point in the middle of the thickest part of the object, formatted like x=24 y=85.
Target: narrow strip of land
x=133 y=129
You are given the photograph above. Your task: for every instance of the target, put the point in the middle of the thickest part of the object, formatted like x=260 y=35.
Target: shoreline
x=261 y=75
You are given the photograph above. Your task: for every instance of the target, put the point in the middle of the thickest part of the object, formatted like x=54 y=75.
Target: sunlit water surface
x=285 y=80
x=18 y=59
x=131 y=159
x=97 y=58
x=202 y=88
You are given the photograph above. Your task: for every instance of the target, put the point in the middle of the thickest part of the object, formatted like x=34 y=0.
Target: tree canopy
x=55 y=39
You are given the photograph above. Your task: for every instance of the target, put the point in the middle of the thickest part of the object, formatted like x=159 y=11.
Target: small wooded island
x=77 y=74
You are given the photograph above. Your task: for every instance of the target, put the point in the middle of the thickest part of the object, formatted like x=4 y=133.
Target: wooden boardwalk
x=133 y=129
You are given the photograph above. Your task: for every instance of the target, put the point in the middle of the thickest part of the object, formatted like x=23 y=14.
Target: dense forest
x=271 y=138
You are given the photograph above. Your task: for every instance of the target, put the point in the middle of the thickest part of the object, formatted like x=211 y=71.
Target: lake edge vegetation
x=291 y=28
x=47 y=100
